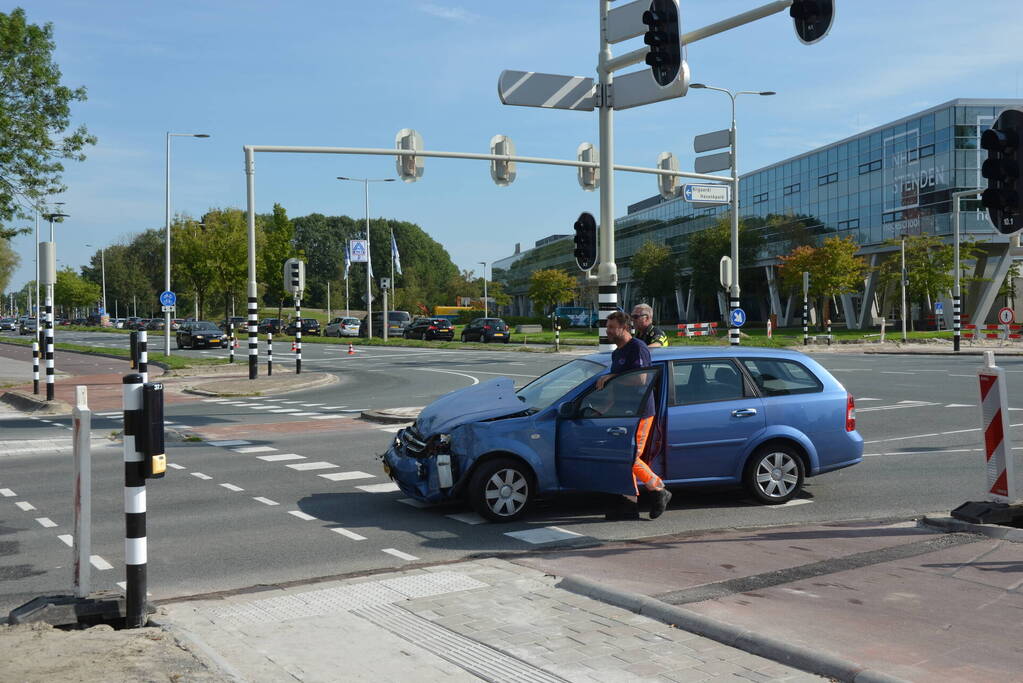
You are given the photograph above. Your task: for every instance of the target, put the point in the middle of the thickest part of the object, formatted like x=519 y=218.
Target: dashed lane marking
x=110 y=414
x=232 y=487
x=175 y=466
x=348 y=534
x=328 y=417
x=303 y=466
x=25 y=505
x=400 y=555
x=467 y=518
x=7 y=493
x=214 y=400
x=286 y=403
x=332 y=407
x=99 y=563
x=46 y=522
x=545 y=534
x=236 y=442
x=264 y=407
x=305 y=414
x=265 y=501
x=301 y=515
x=792 y=503
x=68 y=539
x=311 y=405
x=200 y=475
x=394 y=429
x=284 y=410
x=379 y=488
x=346 y=476
x=282 y=456
x=254 y=449
x=898 y=406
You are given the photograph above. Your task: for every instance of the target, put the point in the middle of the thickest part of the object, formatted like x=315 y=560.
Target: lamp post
x=103 y=269
x=733 y=295
x=50 y=369
x=369 y=263
x=167 y=222
x=956 y=292
x=486 y=311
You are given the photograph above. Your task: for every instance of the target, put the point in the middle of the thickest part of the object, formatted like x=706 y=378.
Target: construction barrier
x=697 y=329
x=1008 y=332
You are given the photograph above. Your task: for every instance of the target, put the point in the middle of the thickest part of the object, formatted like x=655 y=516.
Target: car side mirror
x=566 y=410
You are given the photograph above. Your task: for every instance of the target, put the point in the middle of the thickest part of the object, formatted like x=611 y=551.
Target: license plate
x=498 y=334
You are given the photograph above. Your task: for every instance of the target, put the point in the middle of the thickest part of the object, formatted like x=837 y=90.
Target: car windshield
x=546 y=389
x=397 y=316
x=205 y=327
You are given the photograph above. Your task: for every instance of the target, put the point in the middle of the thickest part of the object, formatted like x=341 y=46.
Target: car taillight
x=486 y=327
x=850 y=414
x=432 y=327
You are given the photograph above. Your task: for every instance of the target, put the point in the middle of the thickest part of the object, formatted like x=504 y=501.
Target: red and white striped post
x=994 y=410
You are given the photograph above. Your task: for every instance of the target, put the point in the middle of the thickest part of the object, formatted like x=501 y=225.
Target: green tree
x=35 y=115
x=550 y=287
x=9 y=260
x=655 y=272
x=192 y=269
x=704 y=251
x=73 y=291
x=226 y=242
x=834 y=269
x=1007 y=289
x=278 y=247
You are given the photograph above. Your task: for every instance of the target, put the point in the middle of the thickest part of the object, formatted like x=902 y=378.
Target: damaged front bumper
x=426 y=475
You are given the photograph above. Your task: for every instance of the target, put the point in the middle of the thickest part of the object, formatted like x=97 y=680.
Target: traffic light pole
x=607 y=270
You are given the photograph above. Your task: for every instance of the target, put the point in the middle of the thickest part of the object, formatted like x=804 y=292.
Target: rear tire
x=501 y=490
x=774 y=474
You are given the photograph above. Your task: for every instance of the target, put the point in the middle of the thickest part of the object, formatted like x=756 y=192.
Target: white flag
x=394 y=254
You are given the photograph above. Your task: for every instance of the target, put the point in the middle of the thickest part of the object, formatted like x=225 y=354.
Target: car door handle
x=617 y=431
x=744 y=412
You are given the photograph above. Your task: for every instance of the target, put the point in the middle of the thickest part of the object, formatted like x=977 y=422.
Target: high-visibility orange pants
x=640 y=470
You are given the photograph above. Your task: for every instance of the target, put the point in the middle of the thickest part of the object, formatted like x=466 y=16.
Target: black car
x=430 y=328
x=239 y=323
x=486 y=330
x=200 y=333
x=310 y=326
x=272 y=325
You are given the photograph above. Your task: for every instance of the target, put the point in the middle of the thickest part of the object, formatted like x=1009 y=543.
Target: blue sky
x=346 y=73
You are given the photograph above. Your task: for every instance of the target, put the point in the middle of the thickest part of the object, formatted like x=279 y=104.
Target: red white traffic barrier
x=697 y=329
x=994 y=409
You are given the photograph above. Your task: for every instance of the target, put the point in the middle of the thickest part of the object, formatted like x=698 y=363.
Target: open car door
x=596 y=438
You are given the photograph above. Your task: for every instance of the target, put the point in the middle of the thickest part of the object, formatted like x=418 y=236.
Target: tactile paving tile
x=427 y=584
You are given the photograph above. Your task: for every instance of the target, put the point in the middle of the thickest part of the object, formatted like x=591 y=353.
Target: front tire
x=501 y=490
x=774 y=474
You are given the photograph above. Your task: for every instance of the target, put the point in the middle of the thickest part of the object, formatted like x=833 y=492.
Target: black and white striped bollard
x=298 y=336
x=35 y=366
x=135 y=552
x=49 y=346
x=557 y=335
x=733 y=331
x=829 y=333
x=806 y=319
x=253 y=336
x=956 y=320
x=269 y=354
x=607 y=302
x=230 y=343
x=144 y=355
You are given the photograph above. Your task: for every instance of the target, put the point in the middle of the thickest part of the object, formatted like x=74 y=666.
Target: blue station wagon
x=761 y=418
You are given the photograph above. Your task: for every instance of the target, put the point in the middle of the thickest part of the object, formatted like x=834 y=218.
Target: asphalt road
x=290 y=488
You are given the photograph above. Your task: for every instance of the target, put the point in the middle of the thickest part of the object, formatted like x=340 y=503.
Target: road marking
x=348 y=534
x=175 y=466
x=475 y=380
x=394 y=430
x=282 y=456
x=214 y=400
x=200 y=475
x=46 y=522
x=332 y=407
x=232 y=403
x=232 y=487
x=467 y=518
x=305 y=414
x=25 y=505
x=328 y=417
x=99 y=563
x=896 y=372
x=311 y=405
x=869 y=399
x=345 y=476
x=265 y=501
x=354 y=410
x=288 y=402
x=897 y=406
x=236 y=442
x=960 y=405
x=254 y=449
x=791 y=503
x=303 y=466
x=962 y=375
x=301 y=515
x=284 y=410
x=68 y=539
x=263 y=407
x=545 y=534
x=111 y=414
x=400 y=555
x=379 y=488
x=7 y=493
x=937 y=451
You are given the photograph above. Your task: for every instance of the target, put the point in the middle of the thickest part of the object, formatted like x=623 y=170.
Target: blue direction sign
x=738 y=317
x=168 y=298
x=706 y=193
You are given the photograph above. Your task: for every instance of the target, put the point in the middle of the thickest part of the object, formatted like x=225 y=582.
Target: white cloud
x=449 y=13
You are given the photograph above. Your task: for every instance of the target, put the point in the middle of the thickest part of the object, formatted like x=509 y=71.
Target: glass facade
x=893 y=179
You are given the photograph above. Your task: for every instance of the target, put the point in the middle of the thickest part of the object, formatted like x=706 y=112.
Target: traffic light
x=664 y=39
x=812 y=18
x=294 y=276
x=1002 y=170
x=410 y=167
x=585 y=241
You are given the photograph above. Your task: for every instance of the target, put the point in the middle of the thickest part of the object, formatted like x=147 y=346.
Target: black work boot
x=660 y=503
x=624 y=509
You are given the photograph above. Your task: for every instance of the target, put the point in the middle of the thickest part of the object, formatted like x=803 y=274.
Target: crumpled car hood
x=493 y=398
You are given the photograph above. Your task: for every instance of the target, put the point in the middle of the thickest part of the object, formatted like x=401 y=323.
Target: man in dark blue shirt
x=632 y=354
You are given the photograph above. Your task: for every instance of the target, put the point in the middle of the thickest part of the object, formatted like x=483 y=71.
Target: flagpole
x=394 y=283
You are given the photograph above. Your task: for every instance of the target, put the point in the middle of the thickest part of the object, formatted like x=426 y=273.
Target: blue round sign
x=738 y=317
x=168 y=298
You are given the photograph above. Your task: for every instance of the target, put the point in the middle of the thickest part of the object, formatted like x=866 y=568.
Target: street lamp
x=103 y=265
x=167 y=221
x=485 y=309
x=50 y=369
x=733 y=295
x=369 y=264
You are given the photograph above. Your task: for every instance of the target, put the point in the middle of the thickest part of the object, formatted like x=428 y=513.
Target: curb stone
x=206 y=655
x=27 y=403
x=388 y=416
x=324 y=379
x=1005 y=533
x=798 y=656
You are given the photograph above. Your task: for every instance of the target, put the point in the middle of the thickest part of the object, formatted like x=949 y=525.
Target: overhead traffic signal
x=812 y=18
x=1004 y=192
x=665 y=41
x=585 y=241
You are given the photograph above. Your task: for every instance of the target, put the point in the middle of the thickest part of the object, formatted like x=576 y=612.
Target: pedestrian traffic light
x=1004 y=192
x=664 y=39
x=294 y=276
x=585 y=241
x=812 y=19
x=589 y=176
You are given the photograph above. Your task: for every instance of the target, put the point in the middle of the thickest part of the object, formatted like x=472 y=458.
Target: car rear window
x=398 y=316
x=778 y=377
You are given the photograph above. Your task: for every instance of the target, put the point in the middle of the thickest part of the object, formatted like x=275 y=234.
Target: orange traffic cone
x=351 y=349
x=293 y=347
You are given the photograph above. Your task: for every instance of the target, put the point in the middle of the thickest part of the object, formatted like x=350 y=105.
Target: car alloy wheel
x=501 y=490
x=774 y=475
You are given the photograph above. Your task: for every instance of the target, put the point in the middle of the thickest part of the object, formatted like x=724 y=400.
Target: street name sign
x=639 y=88
x=549 y=91
x=716 y=140
x=713 y=162
x=714 y=194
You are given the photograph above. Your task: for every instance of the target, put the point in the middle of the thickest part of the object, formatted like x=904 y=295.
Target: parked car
x=155 y=324
x=762 y=418
x=78 y=321
x=239 y=322
x=310 y=326
x=8 y=323
x=272 y=325
x=28 y=326
x=430 y=328
x=397 y=321
x=176 y=324
x=486 y=330
x=342 y=327
x=198 y=334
